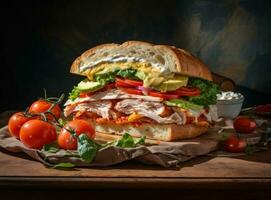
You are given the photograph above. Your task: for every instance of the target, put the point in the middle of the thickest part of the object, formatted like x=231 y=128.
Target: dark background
x=40 y=39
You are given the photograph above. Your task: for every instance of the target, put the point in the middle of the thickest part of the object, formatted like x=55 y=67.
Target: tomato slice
x=132 y=91
x=133 y=82
x=187 y=91
x=121 y=83
x=128 y=83
x=83 y=94
x=164 y=95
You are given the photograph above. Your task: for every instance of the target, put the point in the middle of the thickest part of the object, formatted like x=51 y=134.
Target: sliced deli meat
x=112 y=94
x=101 y=108
x=152 y=110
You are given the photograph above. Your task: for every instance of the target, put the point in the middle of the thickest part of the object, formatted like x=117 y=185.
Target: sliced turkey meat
x=112 y=94
x=101 y=108
x=152 y=110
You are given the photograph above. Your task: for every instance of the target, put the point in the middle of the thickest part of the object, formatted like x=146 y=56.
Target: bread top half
x=166 y=59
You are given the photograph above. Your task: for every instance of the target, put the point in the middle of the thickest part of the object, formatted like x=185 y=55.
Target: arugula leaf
x=52 y=148
x=209 y=90
x=64 y=165
x=74 y=93
x=128 y=141
x=183 y=104
x=87 y=148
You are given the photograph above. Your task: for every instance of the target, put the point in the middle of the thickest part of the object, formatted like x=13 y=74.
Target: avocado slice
x=89 y=86
x=183 y=104
x=172 y=83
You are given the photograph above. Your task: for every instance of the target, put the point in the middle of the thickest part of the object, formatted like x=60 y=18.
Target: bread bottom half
x=163 y=132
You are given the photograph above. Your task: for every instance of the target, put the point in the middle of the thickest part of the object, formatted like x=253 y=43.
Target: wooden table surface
x=252 y=171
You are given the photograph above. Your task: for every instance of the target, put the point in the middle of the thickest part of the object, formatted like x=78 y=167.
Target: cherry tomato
x=127 y=83
x=164 y=95
x=67 y=141
x=36 y=133
x=132 y=91
x=187 y=91
x=234 y=144
x=244 y=125
x=41 y=105
x=15 y=123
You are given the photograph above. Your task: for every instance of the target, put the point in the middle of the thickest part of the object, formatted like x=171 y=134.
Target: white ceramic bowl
x=229 y=108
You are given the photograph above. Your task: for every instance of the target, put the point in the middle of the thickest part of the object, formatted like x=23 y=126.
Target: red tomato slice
x=133 y=82
x=187 y=91
x=83 y=95
x=128 y=83
x=164 y=95
x=132 y=91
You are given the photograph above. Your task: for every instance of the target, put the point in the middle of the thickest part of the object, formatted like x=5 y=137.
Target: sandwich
x=159 y=91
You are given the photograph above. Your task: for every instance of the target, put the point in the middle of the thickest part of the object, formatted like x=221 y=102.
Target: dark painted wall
x=41 y=39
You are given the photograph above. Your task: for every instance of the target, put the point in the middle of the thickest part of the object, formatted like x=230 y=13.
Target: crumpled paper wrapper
x=166 y=154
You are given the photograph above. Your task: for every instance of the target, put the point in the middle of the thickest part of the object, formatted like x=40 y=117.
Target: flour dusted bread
x=163 y=132
x=164 y=58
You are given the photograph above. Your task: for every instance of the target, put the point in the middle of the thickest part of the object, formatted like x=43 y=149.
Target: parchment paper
x=165 y=154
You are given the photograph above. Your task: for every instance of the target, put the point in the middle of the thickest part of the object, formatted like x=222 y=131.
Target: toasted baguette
x=163 y=132
x=167 y=58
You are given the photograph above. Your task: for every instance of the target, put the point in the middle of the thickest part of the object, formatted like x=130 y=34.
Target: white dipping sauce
x=229 y=96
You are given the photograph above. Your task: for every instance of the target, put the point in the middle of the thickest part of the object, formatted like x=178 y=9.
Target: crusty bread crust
x=184 y=62
x=163 y=132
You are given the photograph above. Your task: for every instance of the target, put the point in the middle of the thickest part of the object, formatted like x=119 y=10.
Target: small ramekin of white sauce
x=229 y=104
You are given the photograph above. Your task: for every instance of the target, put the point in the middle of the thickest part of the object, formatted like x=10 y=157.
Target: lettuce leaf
x=74 y=93
x=109 y=77
x=209 y=90
x=127 y=73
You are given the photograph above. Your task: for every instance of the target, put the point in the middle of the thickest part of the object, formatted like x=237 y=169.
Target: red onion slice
x=144 y=90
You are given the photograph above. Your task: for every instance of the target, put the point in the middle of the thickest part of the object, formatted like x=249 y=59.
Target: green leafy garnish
x=183 y=104
x=127 y=141
x=87 y=148
x=208 y=89
x=64 y=165
x=105 y=78
x=127 y=73
x=109 y=77
x=52 y=148
x=74 y=93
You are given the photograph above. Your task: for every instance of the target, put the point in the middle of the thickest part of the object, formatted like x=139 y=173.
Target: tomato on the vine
x=35 y=133
x=68 y=141
x=42 y=105
x=15 y=123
